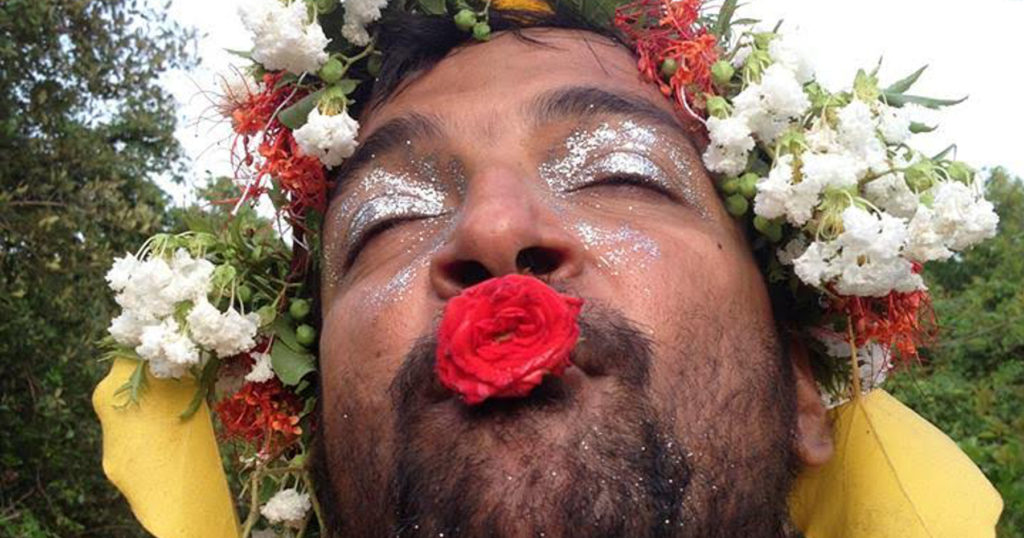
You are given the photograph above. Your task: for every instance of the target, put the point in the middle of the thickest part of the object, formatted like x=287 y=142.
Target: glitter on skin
x=618 y=247
x=398 y=195
x=386 y=208
x=630 y=142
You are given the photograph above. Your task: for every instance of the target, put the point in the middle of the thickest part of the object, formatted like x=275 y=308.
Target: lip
x=553 y=394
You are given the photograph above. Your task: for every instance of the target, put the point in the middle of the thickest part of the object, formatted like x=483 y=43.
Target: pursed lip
x=555 y=394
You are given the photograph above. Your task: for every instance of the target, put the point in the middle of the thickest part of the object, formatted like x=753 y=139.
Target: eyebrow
x=554 y=105
x=581 y=101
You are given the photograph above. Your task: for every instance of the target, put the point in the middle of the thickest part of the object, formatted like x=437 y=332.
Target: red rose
x=500 y=337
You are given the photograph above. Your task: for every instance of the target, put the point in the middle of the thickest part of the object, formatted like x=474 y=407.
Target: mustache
x=610 y=344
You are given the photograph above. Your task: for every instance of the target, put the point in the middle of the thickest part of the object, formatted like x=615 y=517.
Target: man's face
x=551 y=158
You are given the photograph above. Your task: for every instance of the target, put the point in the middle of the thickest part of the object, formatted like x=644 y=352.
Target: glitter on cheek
x=619 y=247
x=421 y=247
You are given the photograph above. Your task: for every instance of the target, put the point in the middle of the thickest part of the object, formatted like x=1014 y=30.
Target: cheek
x=368 y=329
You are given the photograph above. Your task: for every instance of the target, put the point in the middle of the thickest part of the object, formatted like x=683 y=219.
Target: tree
x=84 y=127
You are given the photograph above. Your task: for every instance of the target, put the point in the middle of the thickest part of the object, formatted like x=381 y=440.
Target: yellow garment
x=169 y=469
x=893 y=475
x=522 y=5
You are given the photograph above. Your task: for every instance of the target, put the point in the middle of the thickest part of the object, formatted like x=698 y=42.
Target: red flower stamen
x=903 y=322
x=277 y=156
x=265 y=414
x=668 y=29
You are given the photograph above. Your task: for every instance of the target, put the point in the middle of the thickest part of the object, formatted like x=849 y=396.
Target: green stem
x=316 y=502
x=254 y=503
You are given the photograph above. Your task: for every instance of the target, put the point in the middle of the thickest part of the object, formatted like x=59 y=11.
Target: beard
x=562 y=462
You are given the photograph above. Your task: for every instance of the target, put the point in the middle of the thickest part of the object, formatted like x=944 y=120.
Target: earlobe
x=813 y=436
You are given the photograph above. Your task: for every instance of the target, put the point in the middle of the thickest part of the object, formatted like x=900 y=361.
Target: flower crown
x=844 y=212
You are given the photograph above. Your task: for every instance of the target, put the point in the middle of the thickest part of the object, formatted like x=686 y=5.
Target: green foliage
x=83 y=128
x=972 y=382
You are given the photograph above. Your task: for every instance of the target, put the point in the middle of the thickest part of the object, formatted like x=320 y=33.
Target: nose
x=506 y=225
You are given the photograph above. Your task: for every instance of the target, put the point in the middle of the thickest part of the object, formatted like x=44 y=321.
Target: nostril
x=538 y=260
x=468 y=273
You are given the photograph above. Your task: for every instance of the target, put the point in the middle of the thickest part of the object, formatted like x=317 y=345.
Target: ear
x=813 y=439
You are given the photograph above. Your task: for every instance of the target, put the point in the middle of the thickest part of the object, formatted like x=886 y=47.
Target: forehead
x=481 y=85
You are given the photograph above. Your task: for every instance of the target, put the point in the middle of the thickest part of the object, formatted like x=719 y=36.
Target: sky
x=972 y=49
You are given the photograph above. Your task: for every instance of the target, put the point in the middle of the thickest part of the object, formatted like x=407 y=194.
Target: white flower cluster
x=864 y=260
x=285 y=35
x=765 y=110
x=958 y=218
x=149 y=291
x=359 y=14
x=287 y=506
x=842 y=178
x=332 y=139
x=873 y=254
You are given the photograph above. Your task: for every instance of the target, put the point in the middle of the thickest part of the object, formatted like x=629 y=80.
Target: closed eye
x=374 y=232
x=635 y=181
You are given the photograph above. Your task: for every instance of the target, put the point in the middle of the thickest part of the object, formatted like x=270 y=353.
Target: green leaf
x=295 y=116
x=878 y=67
x=284 y=332
x=206 y=380
x=595 y=12
x=135 y=385
x=921 y=128
x=347 y=85
x=905 y=83
x=433 y=7
x=725 y=17
x=289 y=364
x=865 y=86
x=286 y=79
x=898 y=100
x=942 y=154
x=247 y=54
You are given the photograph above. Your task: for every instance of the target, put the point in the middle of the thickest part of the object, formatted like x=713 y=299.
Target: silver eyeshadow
x=395 y=195
x=389 y=207
x=626 y=145
x=628 y=164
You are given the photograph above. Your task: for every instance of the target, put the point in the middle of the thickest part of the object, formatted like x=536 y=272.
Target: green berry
x=959 y=171
x=748 y=185
x=722 y=71
x=299 y=309
x=737 y=205
x=718 y=107
x=305 y=335
x=324 y=7
x=920 y=175
x=769 y=228
x=332 y=71
x=244 y=293
x=669 y=66
x=465 y=20
x=731 y=185
x=481 y=31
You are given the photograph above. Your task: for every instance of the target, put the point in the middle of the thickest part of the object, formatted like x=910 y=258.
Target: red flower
x=668 y=30
x=265 y=414
x=277 y=156
x=502 y=336
x=902 y=322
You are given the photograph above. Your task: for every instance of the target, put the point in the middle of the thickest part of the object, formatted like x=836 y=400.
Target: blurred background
x=103 y=143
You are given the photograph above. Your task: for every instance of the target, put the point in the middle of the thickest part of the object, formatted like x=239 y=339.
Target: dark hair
x=413 y=43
